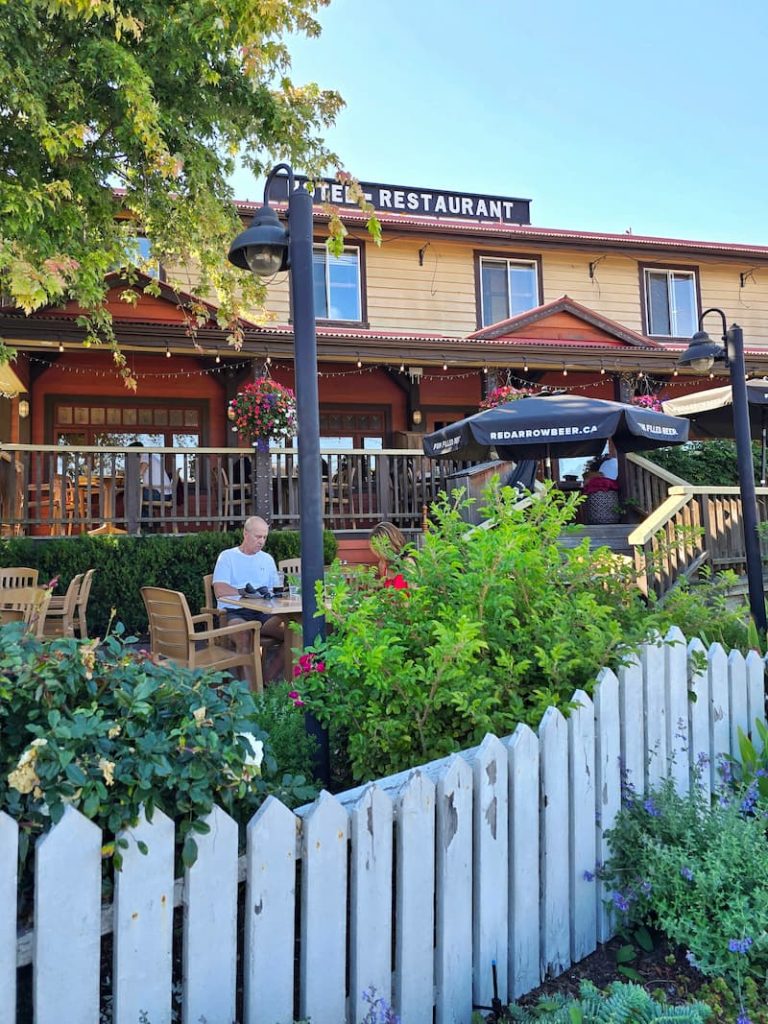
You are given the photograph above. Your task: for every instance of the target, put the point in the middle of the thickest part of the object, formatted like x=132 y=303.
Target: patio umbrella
x=711 y=413
x=562 y=425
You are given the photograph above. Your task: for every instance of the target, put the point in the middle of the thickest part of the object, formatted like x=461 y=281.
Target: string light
x=565 y=372
x=674 y=372
x=269 y=358
x=218 y=357
x=602 y=370
x=359 y=361
x=525 y=367
x=61 y=346
x=167 y=352
x=402 y=367
x=445 y=366
x=485 y=369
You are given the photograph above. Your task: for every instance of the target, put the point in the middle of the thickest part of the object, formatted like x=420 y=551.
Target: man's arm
x=222 y=587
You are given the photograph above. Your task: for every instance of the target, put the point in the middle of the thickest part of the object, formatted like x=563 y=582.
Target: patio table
x=288 y=609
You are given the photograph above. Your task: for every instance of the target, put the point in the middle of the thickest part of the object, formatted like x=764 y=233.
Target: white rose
x=254 y=759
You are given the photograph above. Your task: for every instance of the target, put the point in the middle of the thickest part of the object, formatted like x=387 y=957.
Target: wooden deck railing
x=50 y=490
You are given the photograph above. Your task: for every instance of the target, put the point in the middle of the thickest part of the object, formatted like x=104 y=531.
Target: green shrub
x=496 y=626
x=107 y=730
x=697 y=873
x=622 y=1003
x=125 y=564
x=703 y=463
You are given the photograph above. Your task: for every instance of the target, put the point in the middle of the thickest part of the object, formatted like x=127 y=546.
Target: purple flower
x=686 y=873
x=645 y=888
x=743 y=1018
x=726 y=769
x=620 y=901
x=750 y=799
x=651 y=808
x=589 y=876
x=739 y=945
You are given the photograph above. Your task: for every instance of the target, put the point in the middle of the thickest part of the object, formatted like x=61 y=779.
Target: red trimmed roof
x=527 y=232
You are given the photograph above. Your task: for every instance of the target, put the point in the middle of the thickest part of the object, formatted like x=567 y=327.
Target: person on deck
x=248 y=563
x=387 y=542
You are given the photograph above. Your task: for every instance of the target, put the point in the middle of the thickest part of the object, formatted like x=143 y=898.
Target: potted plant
x=502 y=394
x=602 y=500
x=261 y=410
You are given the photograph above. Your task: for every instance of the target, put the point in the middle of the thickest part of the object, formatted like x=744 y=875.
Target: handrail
x=652 y=467
x=657 y=520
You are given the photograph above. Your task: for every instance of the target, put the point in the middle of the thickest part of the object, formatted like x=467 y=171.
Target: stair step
x=613 y=536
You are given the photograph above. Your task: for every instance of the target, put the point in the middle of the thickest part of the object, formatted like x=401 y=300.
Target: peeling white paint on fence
x=414 y=884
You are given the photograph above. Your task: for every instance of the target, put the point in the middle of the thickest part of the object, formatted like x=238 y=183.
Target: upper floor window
x=337 y=281
x=671 y=302
x=507 y=287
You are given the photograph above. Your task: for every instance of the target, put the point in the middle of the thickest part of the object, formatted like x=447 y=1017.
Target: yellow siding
x=439 y=295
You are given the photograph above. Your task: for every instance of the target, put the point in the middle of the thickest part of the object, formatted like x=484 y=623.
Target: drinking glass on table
x=280 y=584
x=294 y=586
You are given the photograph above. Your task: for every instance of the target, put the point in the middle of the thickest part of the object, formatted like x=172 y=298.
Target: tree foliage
x=156 y=98
x=704 y=463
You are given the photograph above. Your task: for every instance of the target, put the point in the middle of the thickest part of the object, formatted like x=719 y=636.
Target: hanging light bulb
x=269 y=358
x=445 y=365
x=218 y=358
x=525 y=367
x=602 y=370
x=674 y=372
x=359 y=361
x=167 y=352
x=565 y=372
x=485 y=369
x=61 y=346
x=402 y=367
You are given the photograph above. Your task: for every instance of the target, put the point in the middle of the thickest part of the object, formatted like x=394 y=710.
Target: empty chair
x=21 y=576
x=81 y=622
x=290 y=565
x=60 y=617
x=172 y=636
x=219 y=615
x=26 y=604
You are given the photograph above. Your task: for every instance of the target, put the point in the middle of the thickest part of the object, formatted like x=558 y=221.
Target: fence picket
x=755 y=695
x=323 y=924
x=607 y=784
x=554 y=814
x=453 y=893
x=524 y=863
x=581 y=801
x=699 y=710
x=370 y=900
x=209 y=957
x=9 y=859
x=631 y=716
x=738 y=698
x=490 y=868
x=676 y=675
x=415 y=905
x=652 y=659
x=270 y=901
x=67 y=922
x=719 y=718
x=143 y=925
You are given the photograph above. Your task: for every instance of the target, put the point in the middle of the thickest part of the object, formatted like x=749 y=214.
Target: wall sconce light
x=23 y=408
x=231 y=414
x=416 y=417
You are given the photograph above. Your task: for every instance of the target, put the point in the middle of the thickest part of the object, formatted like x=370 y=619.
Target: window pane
x=344 y=286
x=684 y=301
x=493 y=277
x=522 y=288
x=658 y=304
x=318 y=280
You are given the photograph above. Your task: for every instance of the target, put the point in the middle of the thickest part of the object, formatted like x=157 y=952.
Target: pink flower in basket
x=263 y=409
x=652 y=402
x=599 y=483
x=504 y=393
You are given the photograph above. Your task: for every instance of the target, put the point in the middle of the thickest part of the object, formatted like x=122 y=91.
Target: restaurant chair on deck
x=173 y=637
x=60 y=618
x=219 y=615
x=155 y=510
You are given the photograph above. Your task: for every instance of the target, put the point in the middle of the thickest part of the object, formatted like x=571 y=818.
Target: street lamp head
x=263 y=247
x=701 y=353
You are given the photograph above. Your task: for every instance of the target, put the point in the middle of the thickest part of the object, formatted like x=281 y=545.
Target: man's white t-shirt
x=156 y=477
x=237 y=569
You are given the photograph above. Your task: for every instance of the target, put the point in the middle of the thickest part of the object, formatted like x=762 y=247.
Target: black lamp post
x=700 y=355
x=265 y=248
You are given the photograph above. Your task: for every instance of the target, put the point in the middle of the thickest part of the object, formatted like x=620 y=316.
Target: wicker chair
x=172 y=636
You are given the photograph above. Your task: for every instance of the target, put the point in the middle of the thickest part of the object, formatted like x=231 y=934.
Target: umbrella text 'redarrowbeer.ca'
x=561 y=425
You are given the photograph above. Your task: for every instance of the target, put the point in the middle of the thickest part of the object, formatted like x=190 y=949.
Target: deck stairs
x=613 y=537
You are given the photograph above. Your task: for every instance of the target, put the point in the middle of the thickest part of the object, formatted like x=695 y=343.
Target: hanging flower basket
x=263 y=409
x=652 y=402
x=504 y=393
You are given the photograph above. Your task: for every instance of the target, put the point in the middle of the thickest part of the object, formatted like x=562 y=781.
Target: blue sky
x=608 y=116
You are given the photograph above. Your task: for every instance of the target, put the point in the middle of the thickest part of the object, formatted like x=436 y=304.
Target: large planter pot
x=601 y=508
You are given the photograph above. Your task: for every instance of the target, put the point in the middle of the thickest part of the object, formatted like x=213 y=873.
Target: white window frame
x=509 y=262
x=322 y=248
x=670 y=273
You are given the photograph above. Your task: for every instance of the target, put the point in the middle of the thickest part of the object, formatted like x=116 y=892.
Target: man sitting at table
x=247 y=563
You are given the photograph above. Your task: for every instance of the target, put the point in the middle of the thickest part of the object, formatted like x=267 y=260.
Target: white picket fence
x=413 y=885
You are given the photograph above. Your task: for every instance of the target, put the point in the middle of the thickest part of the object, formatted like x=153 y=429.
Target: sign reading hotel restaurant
x=418 y=202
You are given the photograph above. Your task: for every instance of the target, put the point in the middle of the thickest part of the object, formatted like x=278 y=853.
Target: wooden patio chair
x=60 y=618
x=26 y=604
x=156 y=509
x=173 y=637
x=290 y=565
x=20 y=576
x=81 y=623
x=219 y=615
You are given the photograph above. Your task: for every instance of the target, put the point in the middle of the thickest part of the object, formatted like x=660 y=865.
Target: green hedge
x=125 y=564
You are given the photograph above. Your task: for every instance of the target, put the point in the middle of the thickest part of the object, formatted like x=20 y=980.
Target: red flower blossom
x=397 y=582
